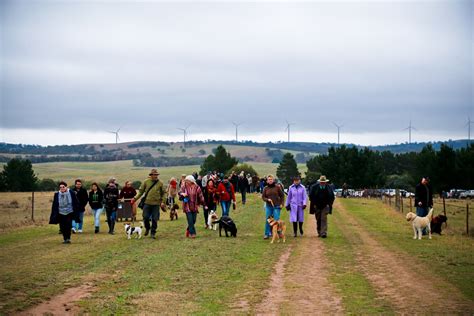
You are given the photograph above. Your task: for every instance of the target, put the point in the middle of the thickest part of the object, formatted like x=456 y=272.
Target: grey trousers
x=322 y=220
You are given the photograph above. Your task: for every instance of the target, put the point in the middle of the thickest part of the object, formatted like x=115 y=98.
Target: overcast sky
x=73 y=70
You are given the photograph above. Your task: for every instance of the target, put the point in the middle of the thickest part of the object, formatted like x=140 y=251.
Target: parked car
x=467 y=194
x=406 y=194
x=455 y=193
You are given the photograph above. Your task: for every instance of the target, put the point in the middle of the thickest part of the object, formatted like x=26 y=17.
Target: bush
x=47 y=185
x=136 y=184
x=245 y=168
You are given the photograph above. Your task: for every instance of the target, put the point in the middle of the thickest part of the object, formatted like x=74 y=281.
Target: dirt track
x=299 y=284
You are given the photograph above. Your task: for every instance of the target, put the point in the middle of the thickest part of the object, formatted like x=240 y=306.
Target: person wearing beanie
x=192 y=197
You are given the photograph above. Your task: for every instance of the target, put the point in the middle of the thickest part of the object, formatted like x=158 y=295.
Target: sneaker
x=295 y=235
x=73 y=230
x=80 y=231
x=147 y=232
x=266 y=237
x=323 y=236
x=193 y=236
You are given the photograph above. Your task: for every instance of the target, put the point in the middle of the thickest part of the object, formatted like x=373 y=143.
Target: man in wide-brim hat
x=321 y=197
x=153 y=192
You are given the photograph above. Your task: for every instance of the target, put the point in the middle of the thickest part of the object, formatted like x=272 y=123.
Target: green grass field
x=124 y=170
x=212 y=275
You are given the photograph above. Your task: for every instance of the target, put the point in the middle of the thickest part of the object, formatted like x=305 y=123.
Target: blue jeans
x=270 y=210
x=225 y=208
x=191 y=217
x=151 y=212
x=96 y=214
x=422 y=212
x=78 y=226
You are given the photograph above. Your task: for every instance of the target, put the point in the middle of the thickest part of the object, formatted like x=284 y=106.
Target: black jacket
x=82 y=198
x=423 y=194
x=96 y=203
x=243 y=184
x=54 y=217
x=320 y=198
x=111 y=198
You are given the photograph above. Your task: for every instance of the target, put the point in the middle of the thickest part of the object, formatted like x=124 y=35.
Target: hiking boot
x=323 y=236
x=96 y=230
x=266 y=237
x=80 y=231
x=187 y=232
x=147 y=232
x=295 y=235
x=111 y=233
x=153 y=236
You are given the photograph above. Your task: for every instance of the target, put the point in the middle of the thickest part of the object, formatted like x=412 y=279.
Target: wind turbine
x=116 y=135
x=338 y=131
x=409 y=128
x=236 y=131
x=468 y=124
x=288 y=124
x=185 y=132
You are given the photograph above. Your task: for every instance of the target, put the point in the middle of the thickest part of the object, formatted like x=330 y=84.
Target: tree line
x=447 y=168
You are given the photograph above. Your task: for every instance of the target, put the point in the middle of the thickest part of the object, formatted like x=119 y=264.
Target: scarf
x=65 y=202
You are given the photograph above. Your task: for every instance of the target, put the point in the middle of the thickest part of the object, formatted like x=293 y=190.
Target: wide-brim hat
x=153 y=172
x=323 y=179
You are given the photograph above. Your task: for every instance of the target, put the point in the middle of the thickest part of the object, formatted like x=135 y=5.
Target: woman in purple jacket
x=296 y=203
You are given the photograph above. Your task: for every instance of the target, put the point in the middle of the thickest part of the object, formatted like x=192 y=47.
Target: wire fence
x=457 y=211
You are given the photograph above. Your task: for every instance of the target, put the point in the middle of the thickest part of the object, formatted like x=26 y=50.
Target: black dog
x=436 y=223
x=229 y=226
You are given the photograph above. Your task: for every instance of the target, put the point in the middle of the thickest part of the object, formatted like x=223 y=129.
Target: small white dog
x=420 y=222
x=129 y=230
x=211 y=219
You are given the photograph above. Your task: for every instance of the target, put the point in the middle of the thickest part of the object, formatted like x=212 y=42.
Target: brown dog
x=174 y=212
x=278 y=229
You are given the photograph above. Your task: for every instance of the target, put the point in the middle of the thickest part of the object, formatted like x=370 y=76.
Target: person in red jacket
x=226 y=194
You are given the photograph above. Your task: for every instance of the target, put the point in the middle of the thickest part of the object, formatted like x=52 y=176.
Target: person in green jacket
x=154 y=193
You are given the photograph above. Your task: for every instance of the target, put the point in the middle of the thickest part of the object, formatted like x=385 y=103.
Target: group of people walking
x=195 y=193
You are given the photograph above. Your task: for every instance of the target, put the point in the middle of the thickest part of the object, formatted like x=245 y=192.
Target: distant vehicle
x=390 y=192
x=467 y=194
x=455 y=193
x=406 y=194
x=338 y=192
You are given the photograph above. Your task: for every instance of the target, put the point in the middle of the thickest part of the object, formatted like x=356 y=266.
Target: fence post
x=444 y=206
x=390 y=201
x=401 y=199
x=467 y=219
x=411 y=205
x=33 y=206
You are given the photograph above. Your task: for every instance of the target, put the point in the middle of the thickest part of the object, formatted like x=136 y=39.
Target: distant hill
x=148 y=153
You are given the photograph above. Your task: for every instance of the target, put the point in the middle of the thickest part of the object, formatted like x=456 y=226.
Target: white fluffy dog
x=211 y=219
x=420 y=222
x=129 y=230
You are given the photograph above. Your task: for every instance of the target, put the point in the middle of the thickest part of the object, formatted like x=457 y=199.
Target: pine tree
x=287 y=169
x=18 y=176
x=221 y=161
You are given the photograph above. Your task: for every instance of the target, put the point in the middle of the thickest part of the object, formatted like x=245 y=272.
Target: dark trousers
x=244 y=196
x=322 y=221
x=111 y=217
x=65 y=225
x=151 y=212
x=191 y=217
x=206 y=215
